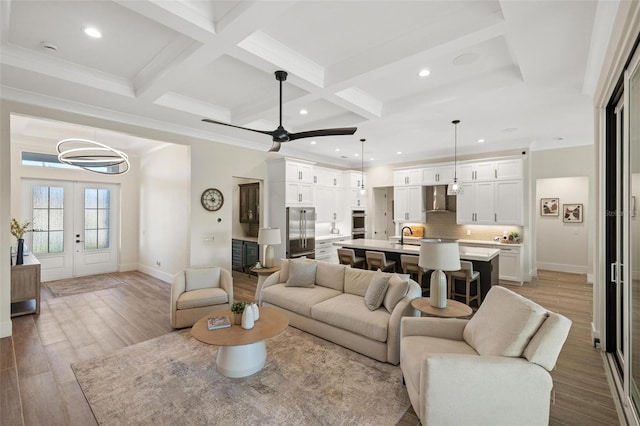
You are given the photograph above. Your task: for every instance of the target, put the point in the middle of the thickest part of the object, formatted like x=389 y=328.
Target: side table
x=263 y=273
x=454 y=309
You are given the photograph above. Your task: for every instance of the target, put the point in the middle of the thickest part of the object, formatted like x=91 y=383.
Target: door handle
x=613 y=272
x=79 y=241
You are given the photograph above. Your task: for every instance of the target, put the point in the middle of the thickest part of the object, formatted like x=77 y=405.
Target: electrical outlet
x=158 y=262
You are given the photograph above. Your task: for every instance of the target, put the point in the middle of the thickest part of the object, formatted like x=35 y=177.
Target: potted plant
x=18 y=230
x=238 y=308
x=514 y=237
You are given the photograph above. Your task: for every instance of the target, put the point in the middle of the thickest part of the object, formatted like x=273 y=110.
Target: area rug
x=173 y=380
x=71 y=286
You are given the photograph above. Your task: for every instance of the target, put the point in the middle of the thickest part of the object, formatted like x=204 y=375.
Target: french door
x=75 y=227
x=622 y=229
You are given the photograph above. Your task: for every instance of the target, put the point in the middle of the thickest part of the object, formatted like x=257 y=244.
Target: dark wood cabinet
x=250 y=203
x=244 y=255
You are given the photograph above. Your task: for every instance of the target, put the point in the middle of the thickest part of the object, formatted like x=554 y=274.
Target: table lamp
x=439 y=255
x=268 y=237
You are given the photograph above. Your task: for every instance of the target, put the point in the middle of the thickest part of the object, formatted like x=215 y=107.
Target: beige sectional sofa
x=331 y=301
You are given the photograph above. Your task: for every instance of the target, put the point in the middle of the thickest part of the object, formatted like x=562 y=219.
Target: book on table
x=218 y=322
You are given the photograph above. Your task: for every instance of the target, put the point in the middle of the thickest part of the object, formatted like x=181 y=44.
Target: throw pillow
x=398 y=288
x=302 y=273
x=377 y=289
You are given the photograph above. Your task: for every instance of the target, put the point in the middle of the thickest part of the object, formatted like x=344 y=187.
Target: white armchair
x=492 y=369
x=197 y=292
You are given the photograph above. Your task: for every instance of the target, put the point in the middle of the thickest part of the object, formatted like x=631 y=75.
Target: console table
x=25 y=287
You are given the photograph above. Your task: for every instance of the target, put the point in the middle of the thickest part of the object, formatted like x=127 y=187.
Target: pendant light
x=363 y=191
x=455 y=188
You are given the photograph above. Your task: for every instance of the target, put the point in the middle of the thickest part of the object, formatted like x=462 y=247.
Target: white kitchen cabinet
x=406 y=177
x=299 y=172
x=440 y=175
x=508 y=202
x=490 y=203
x=508 y=169
x=490 y=170
x=329 y=204
x=355 y=179
x=408 y=204
x=327 y=177
x=298 y=194
x=510 y=263
x=358 y=200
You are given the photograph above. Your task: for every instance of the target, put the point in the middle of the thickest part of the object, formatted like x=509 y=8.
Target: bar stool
x=348 y=257
x=377 y=260
x=467 y=274
x=410 y=266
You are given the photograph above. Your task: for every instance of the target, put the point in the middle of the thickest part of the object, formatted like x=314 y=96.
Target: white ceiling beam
x=603 y=26
x=5 y=18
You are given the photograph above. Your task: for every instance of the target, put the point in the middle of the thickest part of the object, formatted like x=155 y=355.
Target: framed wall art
x=572 y=213
x=549 y=207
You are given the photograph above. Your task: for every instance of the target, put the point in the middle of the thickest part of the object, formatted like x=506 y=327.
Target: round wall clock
x=212 y=199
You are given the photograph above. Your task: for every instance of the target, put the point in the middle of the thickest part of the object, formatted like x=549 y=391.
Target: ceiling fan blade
x=324 y=132
x=275 y=147
x=265 y=132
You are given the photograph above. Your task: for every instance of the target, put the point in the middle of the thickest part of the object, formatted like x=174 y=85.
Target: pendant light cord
x=362 y=165
x=455 y=149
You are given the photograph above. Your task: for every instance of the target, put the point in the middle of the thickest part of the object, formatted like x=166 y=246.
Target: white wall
x=562 y=246
x=165 y=179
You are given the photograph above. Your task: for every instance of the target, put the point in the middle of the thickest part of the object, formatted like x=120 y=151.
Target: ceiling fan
x=280 y=135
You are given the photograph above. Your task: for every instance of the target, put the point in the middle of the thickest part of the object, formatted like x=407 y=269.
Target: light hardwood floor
x=37 y=386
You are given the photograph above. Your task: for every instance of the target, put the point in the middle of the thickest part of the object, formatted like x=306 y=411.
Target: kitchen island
x=485 y=260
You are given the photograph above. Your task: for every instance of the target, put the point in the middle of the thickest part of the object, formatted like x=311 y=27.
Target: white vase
x=256 y=311
x=247 y=318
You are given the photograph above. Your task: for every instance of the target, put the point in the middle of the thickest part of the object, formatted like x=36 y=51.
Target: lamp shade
x=269 y=236
x=439 y=254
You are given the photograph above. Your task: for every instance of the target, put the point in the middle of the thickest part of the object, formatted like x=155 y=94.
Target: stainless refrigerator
x=301 y=232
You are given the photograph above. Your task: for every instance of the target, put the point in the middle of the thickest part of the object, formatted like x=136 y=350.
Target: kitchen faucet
x=402 y=233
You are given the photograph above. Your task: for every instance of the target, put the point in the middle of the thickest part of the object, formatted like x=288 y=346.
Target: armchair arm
x=226 y=283
x=271 y=280
x=402 y=309
x=178 y=286
x=443 y=328
x=482 y=390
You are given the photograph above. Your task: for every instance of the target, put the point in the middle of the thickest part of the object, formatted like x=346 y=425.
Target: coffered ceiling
x=518 y=74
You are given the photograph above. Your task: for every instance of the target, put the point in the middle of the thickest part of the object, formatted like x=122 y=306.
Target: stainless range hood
x=437 y=199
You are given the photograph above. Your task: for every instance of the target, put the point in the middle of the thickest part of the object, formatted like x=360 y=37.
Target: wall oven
x=357 y=224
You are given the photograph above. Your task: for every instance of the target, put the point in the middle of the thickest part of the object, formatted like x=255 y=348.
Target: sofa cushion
x=347 y=311
x=376 y=291
x=356 y=281
x=202 y=297
x=504 y=324
x=197 y=278
x=297 y=299
x=330 y=275
x=301 y=273
x=398 y=288
x=416 y=348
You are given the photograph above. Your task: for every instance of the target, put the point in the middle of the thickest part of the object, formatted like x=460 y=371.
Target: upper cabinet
x=490 y=170
x=407 y=177
x=326 y=177
x=408 y=204
x=490 y=203
x=299 y=171
x=356 y=181
x=438 y=175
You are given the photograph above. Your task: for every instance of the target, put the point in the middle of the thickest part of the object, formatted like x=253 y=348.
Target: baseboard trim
x=5 y=329
x=560 y=267
x=590 y=278
x=168 y=278
x=128 y=267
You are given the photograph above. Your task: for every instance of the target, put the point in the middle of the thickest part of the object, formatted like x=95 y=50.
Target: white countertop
x=466 y=253
x=331 y=237
x=461 y=242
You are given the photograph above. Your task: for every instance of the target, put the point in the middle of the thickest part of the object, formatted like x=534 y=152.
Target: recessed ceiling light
x=399 y=152
x=371 y=159
x=480 y=140
x=92 y=32
x=312 y=142
x=337 y=149
x=558 y=139
x=304 y=112
x=356 y=155
x=424 y=72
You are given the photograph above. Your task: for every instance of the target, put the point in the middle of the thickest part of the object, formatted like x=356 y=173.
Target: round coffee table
x=241 y=352
x=454 y=309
